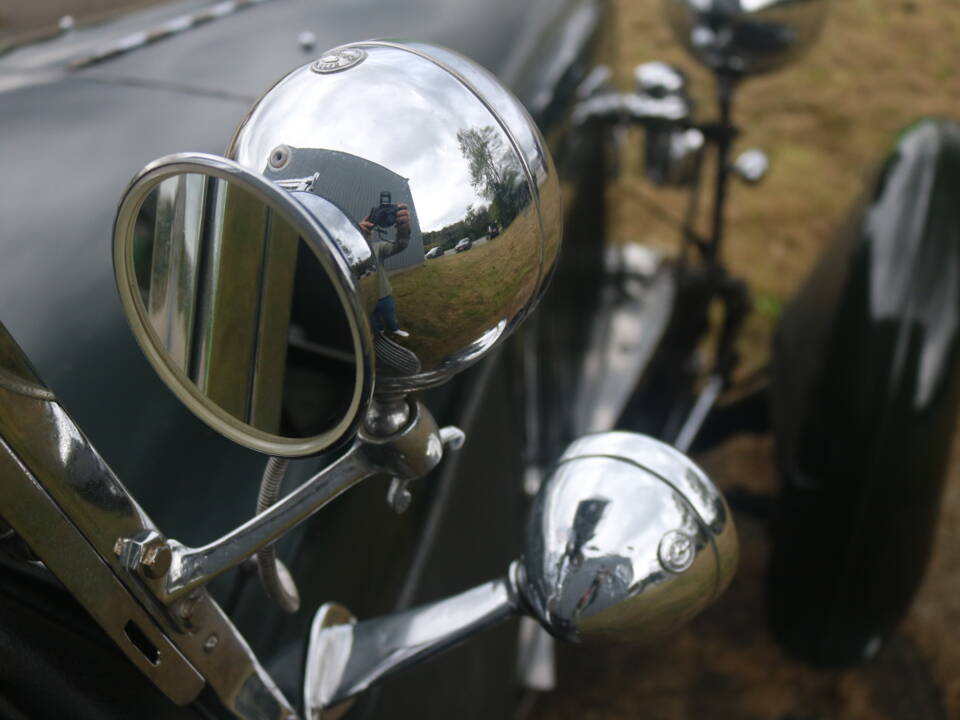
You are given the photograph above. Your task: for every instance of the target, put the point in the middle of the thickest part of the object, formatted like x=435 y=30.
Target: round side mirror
x=746 y=37
x=253 y=310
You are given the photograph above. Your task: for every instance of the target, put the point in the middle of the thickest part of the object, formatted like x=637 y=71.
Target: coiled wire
x=276 y=580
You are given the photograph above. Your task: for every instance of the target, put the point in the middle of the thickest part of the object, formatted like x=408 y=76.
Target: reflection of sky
x=402 y=112
x=509 y=109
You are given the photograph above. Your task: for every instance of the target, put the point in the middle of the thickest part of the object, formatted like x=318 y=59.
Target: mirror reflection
x=450 y=196
x=242 y=307
x=746 y=36
x=442 y=283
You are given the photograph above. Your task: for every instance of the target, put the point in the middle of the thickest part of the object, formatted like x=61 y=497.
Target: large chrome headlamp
x=746 y=37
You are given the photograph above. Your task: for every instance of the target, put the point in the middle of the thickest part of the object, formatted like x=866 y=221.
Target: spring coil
x=277 y=582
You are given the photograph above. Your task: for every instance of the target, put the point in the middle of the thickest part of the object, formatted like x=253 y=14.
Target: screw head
x=307 y=40
x=399 y=496
x=279 y=157
x=676 y=551
x=210 y=644
x=156 y=559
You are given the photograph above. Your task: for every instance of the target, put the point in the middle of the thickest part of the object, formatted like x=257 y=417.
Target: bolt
x=676 y=551
x=279 y=157
x=307 y=40
x=183 y=608
x=156 y=559
x=452 y=437
x=398 y=496
x=210 y=644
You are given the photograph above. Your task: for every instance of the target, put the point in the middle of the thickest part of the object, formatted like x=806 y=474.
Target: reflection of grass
x=450 y=301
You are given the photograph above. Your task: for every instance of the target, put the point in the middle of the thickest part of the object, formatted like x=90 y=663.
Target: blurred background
x=825 y=123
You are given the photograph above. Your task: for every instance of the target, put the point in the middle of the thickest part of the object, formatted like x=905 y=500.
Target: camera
x=385 y=214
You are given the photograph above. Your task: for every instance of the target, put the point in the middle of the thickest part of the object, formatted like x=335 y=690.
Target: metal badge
x=338 y=60
x=676 y=551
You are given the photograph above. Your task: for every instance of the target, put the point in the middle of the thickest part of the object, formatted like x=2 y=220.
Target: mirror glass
x=241 y=308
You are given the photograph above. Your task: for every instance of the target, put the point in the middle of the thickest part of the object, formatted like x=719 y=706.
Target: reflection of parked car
x=434 y=253
x=463 y=245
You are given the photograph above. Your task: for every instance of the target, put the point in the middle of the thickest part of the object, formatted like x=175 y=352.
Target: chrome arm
x=627 y=540
x=191 y=568
x=173 y=570
x=63 y=500
x=347 y=657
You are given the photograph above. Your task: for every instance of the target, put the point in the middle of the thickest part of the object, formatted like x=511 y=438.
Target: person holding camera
x=374 y=226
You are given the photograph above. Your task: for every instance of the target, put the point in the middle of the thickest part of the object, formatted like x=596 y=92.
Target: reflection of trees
x=494 y=172
x=474 y=225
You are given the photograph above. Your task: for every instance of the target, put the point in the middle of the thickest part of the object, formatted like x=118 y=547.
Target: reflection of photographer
x=385 y=214
x=374 y=227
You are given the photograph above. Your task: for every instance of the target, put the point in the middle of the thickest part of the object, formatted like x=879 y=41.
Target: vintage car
x=517 y=412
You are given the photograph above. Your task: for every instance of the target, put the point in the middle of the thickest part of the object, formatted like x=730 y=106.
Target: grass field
x=448 y=302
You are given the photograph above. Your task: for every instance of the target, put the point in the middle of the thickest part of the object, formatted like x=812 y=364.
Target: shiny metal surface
x=626 y=541
x=751 y=165
x=276 y=580
x=659 y=79
x=61 y=496
x=325 y=661
x=428 y=129
x=865 y=396
x=698 y=413
x=64 y=551
x=632 y=107
x=673 y=155
x=348 y=657
x=251 y=308
x=636 y=303
x=408 y=454
x=536 y=657
x=746 y=37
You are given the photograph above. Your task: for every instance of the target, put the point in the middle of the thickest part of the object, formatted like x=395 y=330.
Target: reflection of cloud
x=400 y=112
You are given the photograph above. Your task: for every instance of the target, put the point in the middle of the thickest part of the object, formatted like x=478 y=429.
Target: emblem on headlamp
x=338 y=60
